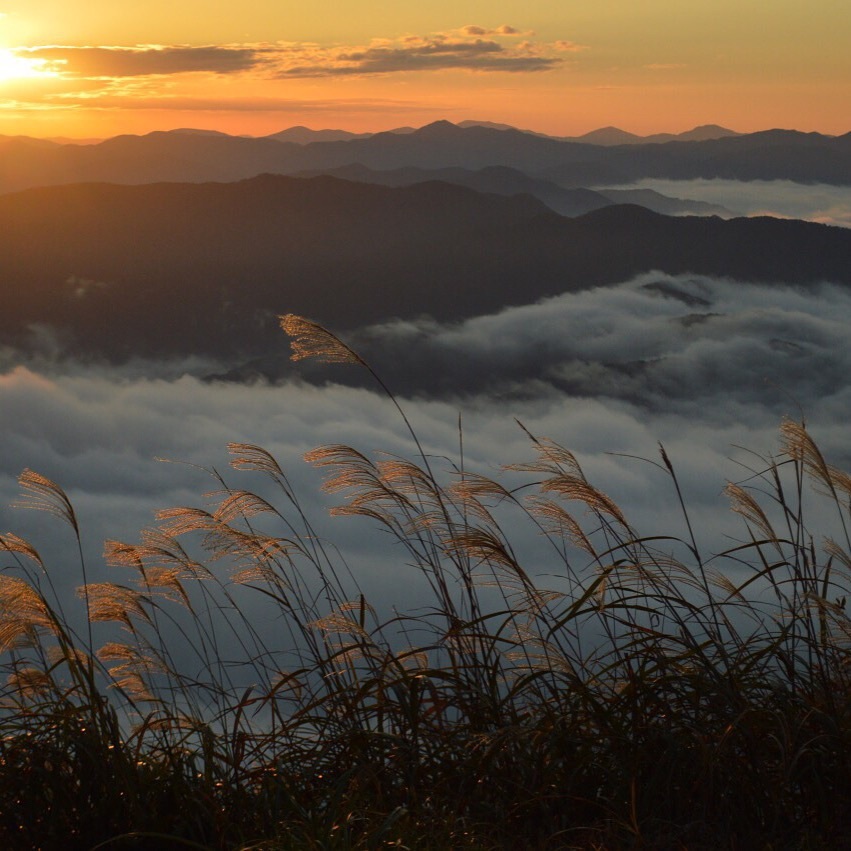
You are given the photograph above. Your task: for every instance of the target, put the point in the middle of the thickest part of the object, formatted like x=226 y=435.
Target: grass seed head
x=310 y=340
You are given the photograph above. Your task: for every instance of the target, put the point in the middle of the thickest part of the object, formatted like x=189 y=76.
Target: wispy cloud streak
x=145 y=60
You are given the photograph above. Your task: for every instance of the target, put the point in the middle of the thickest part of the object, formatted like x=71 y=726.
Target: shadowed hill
x=499 y=180
x=502 y=180
x=187 y=268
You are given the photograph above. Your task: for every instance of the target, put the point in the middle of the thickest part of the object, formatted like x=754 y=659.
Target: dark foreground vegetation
x=625 y=691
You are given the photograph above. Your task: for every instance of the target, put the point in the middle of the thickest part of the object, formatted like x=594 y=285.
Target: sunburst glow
x=13 y=66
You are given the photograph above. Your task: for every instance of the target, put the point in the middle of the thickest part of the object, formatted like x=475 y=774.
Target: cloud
x=81 y=287
x=705 y=345
x=171 y=102
x=472 y=29
x=569 y=46
x=39 y=91
x=818 y=202
x=98 y=434
x=472 y=48
x=698 y=363
x=467 y=51
x=144 y=61
x=690 y=345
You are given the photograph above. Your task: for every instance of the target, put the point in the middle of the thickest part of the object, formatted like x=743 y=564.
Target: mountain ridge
x=164 y=269
x=182 y=156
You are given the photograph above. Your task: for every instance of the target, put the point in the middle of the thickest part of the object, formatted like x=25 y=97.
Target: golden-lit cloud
x=426 y=55
x=569 y=46
x=470 y=48
x=472 y=29
x=466 y=50
x=153 y=60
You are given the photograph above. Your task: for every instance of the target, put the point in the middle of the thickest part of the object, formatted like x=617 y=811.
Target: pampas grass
x=644 y=695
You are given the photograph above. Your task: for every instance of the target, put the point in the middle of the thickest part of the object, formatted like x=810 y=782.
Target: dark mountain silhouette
x=499 y=180
x=696 y=134
x=30 y=141
x=304 y=135
x=659 y=203
x=502 y=180
x=768 y=155
x=615 y=136
x=495 y=125
x=806 y=157
x=163 y=269
x=443 y=145
x=161 y=156
x=202 y=157
x=194 y=131
x=609 y=136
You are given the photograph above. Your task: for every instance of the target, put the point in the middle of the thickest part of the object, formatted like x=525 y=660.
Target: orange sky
x=96 y=68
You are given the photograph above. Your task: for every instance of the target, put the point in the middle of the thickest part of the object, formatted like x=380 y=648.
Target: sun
x=13 y=66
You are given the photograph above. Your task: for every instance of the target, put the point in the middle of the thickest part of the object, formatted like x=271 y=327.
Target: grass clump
x=641 y=696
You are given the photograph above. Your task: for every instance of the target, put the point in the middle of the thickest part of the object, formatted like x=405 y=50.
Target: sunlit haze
x=98 y=68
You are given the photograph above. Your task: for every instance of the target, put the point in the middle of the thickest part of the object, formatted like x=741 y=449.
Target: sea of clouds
x=708 y=367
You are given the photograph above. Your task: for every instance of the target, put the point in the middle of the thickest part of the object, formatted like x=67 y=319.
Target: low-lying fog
x=816 y=202
x=707 y=367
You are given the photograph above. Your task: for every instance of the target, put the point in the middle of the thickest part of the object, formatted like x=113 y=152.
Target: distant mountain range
x=501 y=180
x=602 y=136
x=616 y=136
x=119 y=271
x=202 y=156
x=304 y=135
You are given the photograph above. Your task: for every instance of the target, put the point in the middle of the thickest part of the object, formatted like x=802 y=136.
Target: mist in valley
x=706 y=367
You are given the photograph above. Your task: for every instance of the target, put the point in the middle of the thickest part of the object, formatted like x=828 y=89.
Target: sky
x=97 y=68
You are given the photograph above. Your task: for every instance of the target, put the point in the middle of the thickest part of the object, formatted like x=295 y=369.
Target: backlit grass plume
x=234 y=688
x=310 y=340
